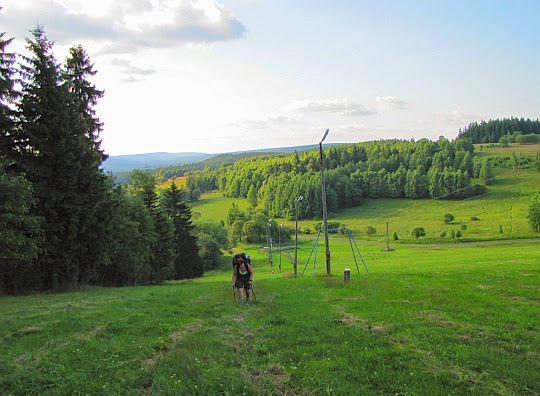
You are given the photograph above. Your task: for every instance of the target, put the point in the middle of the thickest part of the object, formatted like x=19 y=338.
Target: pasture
x=500 y=214
x=430 y=318
x=425 y=320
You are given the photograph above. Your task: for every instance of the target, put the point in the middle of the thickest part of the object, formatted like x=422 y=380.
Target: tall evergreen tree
x=91 y=181
x=51 y=149
x=162 y=249
x=7 y=97
x=188 y=263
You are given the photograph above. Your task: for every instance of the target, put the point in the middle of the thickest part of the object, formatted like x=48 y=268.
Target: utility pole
x=269 y=234
x=325 y=214
x=279 y=242
x=300 y=198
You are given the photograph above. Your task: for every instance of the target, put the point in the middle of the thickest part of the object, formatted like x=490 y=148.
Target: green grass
x=505 y=205
x=525 y=149
x=425 y=320
x=214 y=206
x=428 y=319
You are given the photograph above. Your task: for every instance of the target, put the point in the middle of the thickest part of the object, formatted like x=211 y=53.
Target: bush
x=394 y=236
x=464 y=227
x=474 y=218
x=443 y=234
x=534 y=214
x=370 y=230
x=419 y=232
x=448 y=217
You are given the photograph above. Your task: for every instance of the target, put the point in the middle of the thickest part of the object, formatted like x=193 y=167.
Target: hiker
x=242 y=276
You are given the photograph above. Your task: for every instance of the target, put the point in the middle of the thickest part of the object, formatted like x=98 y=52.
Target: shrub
x=419 y=232
x=443 y=234
x=448 y=217
x=534 y=214
x=394 y=236
x=370 y=230
x=464 y=227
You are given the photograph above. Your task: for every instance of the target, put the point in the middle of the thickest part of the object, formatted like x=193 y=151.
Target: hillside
x=188 y=161
x=121 y=163
x=499 y=213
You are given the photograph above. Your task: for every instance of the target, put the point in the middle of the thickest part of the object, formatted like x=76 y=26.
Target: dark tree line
x=493 y=130
x=380 y=169
x=62 y=223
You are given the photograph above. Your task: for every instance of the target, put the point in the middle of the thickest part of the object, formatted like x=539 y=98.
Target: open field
x=430 y=318
x=525 y=149
x=179 y=181
x=214 y=206
x=426 y=320
x=504 y=208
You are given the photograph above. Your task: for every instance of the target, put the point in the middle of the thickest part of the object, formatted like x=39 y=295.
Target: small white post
x=347 y=275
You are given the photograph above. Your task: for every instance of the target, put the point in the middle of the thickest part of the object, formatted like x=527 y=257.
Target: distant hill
x=125 y=163
x=122 y=163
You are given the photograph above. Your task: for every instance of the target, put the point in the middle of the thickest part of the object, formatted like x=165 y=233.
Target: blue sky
x=232 y=75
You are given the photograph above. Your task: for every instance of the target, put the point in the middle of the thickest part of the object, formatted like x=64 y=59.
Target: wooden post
x=347 y=275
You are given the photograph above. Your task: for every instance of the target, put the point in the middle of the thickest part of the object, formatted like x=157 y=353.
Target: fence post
x=347 y=275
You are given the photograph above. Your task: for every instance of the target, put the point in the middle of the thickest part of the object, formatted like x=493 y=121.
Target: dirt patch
x=353 y=321
x=277 y=376
x=435 y=317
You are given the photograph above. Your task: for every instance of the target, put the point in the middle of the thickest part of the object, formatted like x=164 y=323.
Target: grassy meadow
x=430 y=318
x=457 y=319
x=503 y=208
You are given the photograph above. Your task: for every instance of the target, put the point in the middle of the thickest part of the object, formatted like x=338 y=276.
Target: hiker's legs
x=241 y=294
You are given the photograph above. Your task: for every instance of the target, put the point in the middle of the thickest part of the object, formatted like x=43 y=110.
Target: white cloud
x=335 y=106
x=132 y=73
x=277 y=121
x=125 y=26
x=391 y=102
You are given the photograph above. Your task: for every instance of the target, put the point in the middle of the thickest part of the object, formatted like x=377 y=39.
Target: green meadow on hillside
x=504 y=208
x=426 y=320
x=432 y=317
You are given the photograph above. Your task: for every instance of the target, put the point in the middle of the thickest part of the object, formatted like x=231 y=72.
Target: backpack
x=243 y=256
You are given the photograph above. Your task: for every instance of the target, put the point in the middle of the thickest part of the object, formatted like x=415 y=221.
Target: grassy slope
x=452 y=319
x=425 y=321
x=505 y=205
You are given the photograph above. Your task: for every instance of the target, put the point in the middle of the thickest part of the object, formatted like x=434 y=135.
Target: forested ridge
x=377 y=169
x=492 y=131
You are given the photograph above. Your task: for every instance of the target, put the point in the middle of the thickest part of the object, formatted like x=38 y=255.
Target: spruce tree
x=51 y=153
x=91 y=181
x=162 y=249
x=8 y=95
x=188 y=263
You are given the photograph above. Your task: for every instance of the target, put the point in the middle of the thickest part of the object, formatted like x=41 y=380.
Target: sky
x=223 y=76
